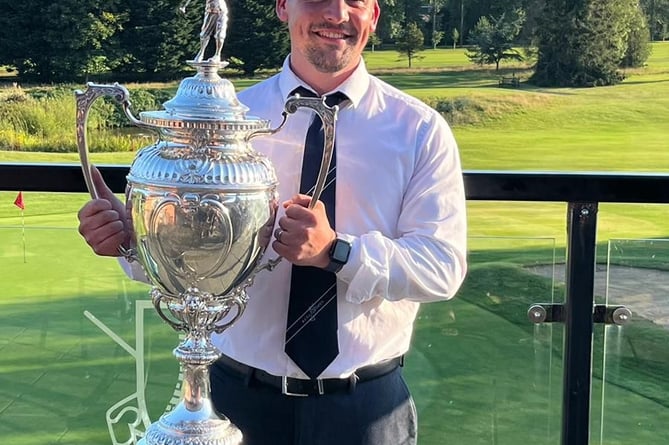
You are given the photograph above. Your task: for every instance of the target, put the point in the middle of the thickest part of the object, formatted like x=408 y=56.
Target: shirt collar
x=355 y=86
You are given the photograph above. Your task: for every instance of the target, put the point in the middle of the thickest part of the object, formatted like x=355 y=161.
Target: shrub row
x=43 y=119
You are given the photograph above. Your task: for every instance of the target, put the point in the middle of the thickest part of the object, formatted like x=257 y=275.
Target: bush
x=458 y=110
x=43 y=119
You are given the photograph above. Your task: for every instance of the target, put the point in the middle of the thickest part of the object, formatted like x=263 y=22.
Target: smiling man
x=387 y=235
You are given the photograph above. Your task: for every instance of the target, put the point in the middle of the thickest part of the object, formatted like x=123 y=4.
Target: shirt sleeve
x=426 y=259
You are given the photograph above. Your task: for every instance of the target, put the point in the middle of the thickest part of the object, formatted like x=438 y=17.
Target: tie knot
x=304 y=92
x=331 y=100
x=335 y=98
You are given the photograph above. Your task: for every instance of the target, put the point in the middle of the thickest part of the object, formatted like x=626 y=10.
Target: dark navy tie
x=311 y=328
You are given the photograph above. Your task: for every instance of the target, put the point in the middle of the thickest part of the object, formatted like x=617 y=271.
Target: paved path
x=644 y=291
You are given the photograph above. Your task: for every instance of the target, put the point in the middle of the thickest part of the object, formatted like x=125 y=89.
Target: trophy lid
x=205 y=101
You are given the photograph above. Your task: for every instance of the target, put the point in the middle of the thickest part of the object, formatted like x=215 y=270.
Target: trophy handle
x=328 y=116
x=84 y=101
x=200 y=314
x=239 y=303
x=156 y=299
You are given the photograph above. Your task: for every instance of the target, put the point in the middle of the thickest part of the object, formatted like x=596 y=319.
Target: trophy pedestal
x=193 y=421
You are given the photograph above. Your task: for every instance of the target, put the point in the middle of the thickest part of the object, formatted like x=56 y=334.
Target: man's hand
x=304 y=235
x=103 y=222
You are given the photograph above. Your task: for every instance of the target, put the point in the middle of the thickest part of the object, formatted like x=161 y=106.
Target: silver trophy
x=203 y=205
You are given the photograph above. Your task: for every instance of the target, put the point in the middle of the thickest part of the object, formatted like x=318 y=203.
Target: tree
x=396 y=16
x=256 y=37
x=455 y=35
x=373 y=41
x=657 y=17
x=493 y=39
x=59 y=41
x=437 y=37
x=410 y=42
x=157 y=40
x=582 y=42
x=638 y=41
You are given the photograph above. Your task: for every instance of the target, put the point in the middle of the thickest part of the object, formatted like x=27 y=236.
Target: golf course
x=82 y=352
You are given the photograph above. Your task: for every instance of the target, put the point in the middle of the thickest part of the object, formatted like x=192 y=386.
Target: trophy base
x=185 y=427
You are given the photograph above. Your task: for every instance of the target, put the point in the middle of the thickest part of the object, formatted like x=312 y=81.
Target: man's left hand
x=304 y=235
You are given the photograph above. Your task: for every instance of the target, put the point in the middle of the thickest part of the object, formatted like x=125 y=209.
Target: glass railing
x=631 y=366
x=480 y=371
x=85 y=359
x=75 y=335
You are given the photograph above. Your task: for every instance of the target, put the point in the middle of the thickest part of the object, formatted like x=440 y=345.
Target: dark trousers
x=377 y=412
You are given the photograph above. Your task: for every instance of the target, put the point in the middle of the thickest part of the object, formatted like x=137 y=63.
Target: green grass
x=428 y=59
x=619 y=128
x=480 y=372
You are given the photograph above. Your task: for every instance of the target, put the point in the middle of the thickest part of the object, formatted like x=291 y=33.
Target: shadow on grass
x=641 y=82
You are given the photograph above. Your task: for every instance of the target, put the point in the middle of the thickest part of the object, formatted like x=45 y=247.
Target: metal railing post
x=578 y=321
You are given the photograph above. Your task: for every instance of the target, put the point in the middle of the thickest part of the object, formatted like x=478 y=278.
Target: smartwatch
x=339 y=252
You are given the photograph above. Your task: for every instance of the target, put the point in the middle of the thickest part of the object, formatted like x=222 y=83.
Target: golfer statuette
x=214 y=25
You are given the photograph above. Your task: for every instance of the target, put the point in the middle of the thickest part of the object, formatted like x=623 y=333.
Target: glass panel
x=631 y=376
x=68 y=342
x=480 y=371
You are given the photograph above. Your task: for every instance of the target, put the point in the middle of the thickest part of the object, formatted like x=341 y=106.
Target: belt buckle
x=285 y=392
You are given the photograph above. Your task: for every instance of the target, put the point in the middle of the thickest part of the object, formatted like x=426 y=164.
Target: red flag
x=18 y=202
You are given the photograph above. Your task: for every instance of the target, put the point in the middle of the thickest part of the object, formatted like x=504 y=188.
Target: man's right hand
x=103 y=222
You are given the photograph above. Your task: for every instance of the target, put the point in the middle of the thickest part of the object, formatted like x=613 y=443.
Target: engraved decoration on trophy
x=203 y=204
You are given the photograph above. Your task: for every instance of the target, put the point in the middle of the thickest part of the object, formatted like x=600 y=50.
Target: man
x=400 y=223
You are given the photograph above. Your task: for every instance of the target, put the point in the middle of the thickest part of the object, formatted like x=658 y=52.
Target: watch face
x=341 y=251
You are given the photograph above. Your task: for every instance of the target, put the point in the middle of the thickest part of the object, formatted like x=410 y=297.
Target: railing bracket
x=602 y=314
x=546 y=313
x=618 y=315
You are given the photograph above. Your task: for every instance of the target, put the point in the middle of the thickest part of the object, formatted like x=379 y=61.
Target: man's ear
x=281 y=10
x=376 y=12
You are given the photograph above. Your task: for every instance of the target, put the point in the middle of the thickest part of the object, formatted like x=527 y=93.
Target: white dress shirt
x=400 y=203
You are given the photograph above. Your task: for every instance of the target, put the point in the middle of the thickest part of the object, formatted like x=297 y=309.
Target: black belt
x=302 y=387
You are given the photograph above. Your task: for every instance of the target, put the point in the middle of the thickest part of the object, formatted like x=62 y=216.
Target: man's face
x=329 y=35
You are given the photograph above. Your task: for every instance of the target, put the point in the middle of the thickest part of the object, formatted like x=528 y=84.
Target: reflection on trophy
x=203 y=205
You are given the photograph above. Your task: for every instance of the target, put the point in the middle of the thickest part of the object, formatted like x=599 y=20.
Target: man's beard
x=324 y=60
